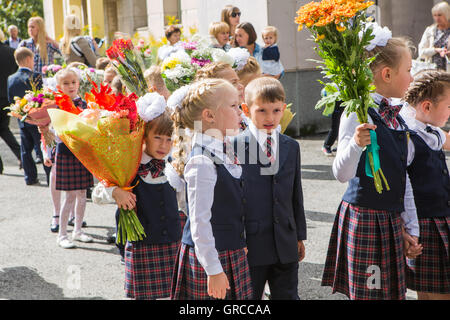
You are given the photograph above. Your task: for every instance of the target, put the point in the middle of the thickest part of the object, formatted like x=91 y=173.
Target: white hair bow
x=151 y=106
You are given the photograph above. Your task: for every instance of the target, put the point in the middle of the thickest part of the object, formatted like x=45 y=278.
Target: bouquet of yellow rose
x=341 y=31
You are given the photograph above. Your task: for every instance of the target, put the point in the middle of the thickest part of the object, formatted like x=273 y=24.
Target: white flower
x=181 y=55
x=240 y=57
x=382 y=35
x=150 y=106
x=202 y=41
x=50 y=83
x=220 y=55
x=177 y=98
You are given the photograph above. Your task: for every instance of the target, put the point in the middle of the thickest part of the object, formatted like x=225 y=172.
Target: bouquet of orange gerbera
x=107 y=139
x=341 y=30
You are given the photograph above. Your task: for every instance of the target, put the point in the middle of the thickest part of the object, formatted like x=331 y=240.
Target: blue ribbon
x=373 y=148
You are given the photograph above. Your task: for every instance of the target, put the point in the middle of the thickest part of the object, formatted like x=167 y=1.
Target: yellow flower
x=172 y=63
x=23 y=102
x=320 y=37
x=340 y=28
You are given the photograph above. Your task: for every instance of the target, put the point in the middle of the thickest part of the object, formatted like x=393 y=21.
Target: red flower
x=65 y=103
x=127 y=103
x=103 y=97
x=118 y=48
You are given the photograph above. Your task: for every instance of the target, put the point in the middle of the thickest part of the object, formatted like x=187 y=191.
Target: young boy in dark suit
x=275 y=219
x=18 y=83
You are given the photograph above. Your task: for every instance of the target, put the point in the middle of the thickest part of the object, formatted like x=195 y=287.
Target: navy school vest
x=430 y=180
x=227 y=212
x=393 y=159
x=157 y=210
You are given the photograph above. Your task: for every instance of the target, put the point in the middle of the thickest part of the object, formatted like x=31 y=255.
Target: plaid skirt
x=71 y=174
x=149 y=270
x=365 y=258
x=183 y=219
x=190 y=279
x=430 y=272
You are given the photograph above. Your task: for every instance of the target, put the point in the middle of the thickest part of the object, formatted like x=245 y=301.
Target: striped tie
x=229 y=152
x=269 y=148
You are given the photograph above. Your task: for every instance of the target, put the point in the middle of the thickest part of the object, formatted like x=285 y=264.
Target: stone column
x=155 y=18
x=96 y=19
x=54 y=19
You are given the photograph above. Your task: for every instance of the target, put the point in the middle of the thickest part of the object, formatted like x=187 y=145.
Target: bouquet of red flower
x=107 y=138
x=129 y=65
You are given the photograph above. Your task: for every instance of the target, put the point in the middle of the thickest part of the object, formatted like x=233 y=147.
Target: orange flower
x=320 y=37
x=340 y=28
x=322 y=13
x=64 y=102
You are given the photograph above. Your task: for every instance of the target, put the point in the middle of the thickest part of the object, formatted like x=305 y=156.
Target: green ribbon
x=373 y=148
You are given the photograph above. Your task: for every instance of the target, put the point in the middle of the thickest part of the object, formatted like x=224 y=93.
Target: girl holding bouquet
x=212 y=262
x=149 y=263
x=372 y=231
x=71 y=176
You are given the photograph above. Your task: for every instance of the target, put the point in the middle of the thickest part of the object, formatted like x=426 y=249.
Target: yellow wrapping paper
x=287 y=118
x=107 y=149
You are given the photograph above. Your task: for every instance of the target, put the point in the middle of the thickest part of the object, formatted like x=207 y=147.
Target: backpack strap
x=75 y=47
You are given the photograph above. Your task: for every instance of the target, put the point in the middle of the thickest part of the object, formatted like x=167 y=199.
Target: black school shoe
x=32 y=183
x=54 y=227
x=72 y=223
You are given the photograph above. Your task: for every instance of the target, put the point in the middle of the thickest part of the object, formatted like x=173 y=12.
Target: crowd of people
x=222 y=203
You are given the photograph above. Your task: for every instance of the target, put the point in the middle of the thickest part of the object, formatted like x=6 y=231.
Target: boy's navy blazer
x=275 y=217
x=20 y=82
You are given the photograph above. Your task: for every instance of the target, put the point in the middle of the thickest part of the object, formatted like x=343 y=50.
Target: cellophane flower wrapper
x=340 y=29
x=107 y=147
x=286 y=118
x=129 y=64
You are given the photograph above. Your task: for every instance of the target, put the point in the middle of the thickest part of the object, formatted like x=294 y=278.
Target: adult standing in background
x=43 y=47
x=13 y=40
x=7 y=68
x=246 y=38
x=74 y=46
x=173 y=35
x=433 y=46
x=231 y=15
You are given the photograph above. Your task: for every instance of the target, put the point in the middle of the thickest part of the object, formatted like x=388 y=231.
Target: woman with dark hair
x=231 y=15
x=173 y=34
x=245 y=37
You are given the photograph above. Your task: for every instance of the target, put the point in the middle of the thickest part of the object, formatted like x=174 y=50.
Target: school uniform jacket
x=275 y=217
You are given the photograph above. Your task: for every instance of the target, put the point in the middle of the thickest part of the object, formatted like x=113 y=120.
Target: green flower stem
x=129 y=227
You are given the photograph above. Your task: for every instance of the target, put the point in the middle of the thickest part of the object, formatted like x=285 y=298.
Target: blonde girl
x=212 y=262
x=42 y=46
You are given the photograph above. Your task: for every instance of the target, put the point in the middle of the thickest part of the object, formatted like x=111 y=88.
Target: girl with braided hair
x=212 y=262
x=429 y=109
